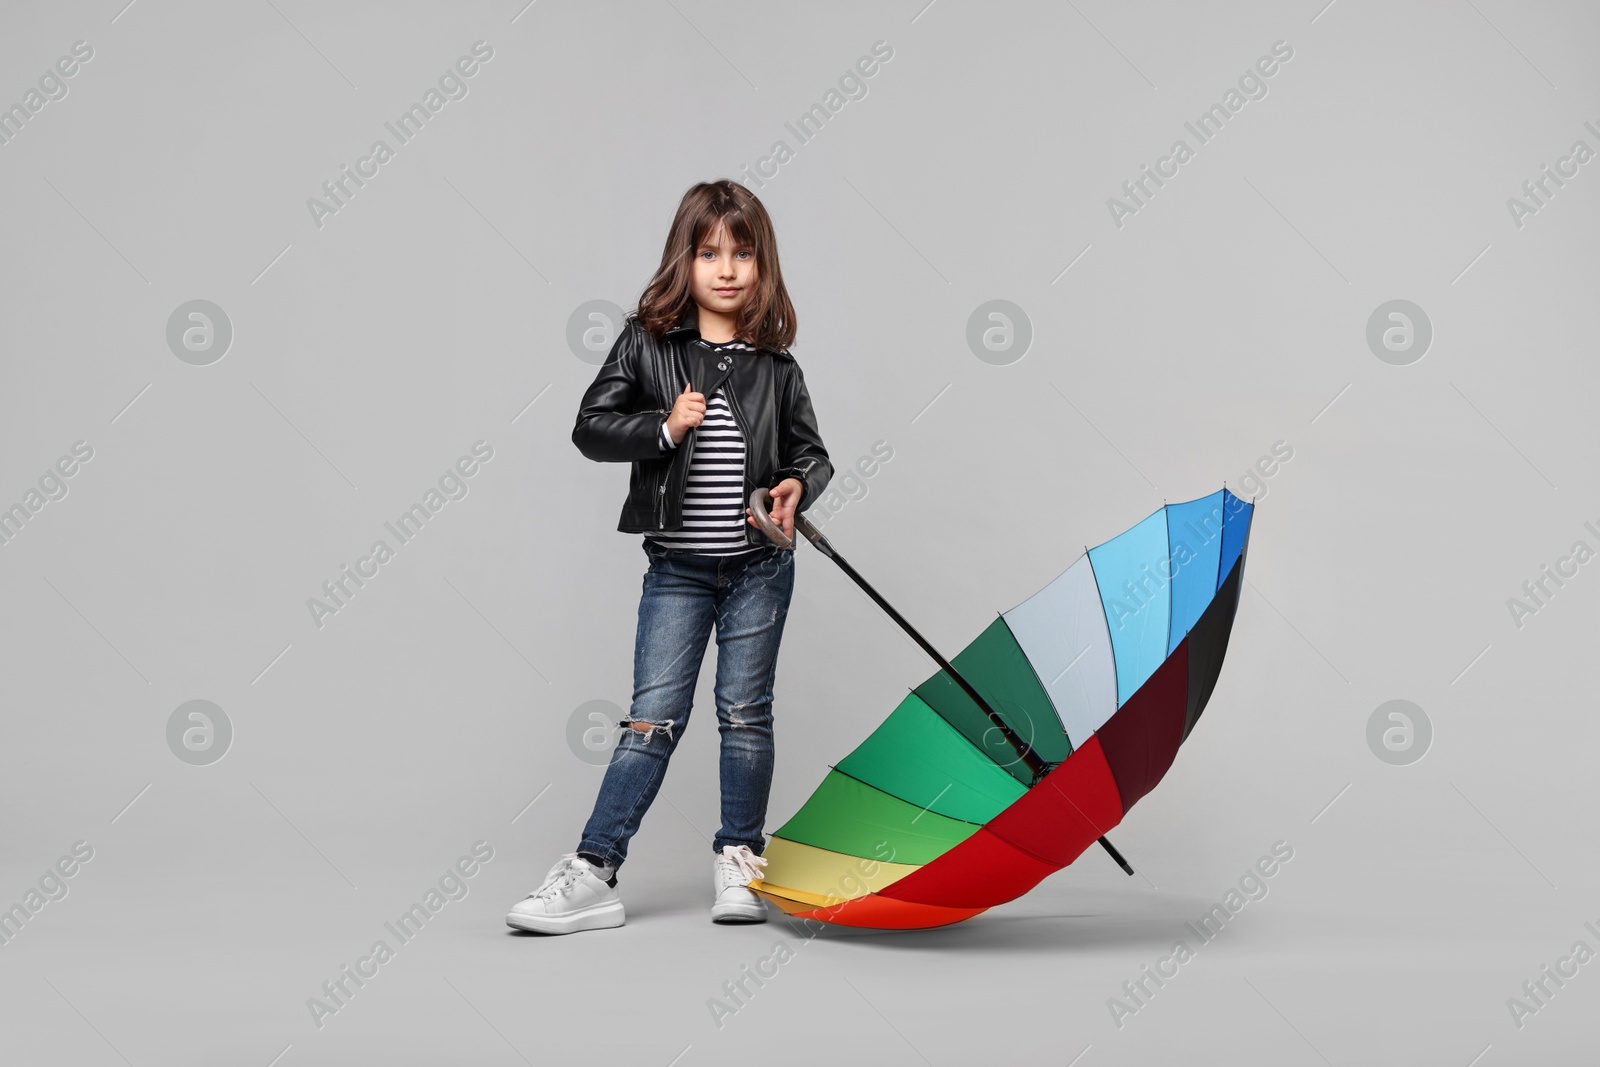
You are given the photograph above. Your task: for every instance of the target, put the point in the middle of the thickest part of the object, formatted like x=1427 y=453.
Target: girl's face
x=724 y=273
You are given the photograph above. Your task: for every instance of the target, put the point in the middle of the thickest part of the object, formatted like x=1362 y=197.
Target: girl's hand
x=785 y=498
x=687 y=411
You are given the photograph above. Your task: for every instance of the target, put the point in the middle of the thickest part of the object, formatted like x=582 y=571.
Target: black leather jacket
x=620 y=417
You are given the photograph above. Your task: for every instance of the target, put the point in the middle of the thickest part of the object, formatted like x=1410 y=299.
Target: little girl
x=716 y=313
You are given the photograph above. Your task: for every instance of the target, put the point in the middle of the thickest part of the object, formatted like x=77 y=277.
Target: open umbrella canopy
x=935 y=817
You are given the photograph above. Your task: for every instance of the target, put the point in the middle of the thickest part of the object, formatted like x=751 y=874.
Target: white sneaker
x=572 y=897
x=731 y=872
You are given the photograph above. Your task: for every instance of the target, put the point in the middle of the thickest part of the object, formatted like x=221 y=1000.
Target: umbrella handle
x=758 y=508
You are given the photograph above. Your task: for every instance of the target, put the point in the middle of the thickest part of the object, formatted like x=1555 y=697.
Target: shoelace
x=559 y=880
x=746 y=863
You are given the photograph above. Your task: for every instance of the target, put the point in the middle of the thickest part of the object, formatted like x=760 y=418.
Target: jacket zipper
x=744 y=471
x=661 y=490
x=688 y=439
x=666 y=477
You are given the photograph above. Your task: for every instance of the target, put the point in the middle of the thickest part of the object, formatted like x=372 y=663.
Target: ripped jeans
x=747 y=597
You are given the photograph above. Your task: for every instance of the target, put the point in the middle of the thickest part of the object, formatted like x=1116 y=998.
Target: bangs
x=739 y=229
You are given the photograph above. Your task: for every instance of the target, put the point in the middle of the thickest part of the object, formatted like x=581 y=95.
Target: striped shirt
x=713 y=501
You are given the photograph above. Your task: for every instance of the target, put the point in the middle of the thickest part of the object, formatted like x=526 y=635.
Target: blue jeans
x=747 y=597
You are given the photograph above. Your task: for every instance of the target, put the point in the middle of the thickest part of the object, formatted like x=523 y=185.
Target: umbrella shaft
x=1030 y=758
x=1111 y=850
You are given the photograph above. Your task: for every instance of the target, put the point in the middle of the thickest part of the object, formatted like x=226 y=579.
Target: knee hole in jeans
x=647 y=728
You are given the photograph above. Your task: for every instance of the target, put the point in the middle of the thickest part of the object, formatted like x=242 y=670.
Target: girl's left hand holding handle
x=785 y=498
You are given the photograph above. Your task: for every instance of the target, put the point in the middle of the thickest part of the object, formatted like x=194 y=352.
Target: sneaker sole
x=741 y=913
x=599 y=917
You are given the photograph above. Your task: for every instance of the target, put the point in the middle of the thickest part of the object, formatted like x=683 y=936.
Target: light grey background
x=432 y=712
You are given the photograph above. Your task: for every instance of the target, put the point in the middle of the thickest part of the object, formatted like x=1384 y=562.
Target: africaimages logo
x=454 y=484
x=338 y=991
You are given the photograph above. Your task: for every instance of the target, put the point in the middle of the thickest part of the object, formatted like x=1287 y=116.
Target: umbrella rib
x=953 y=729
x=1040 y=683
x=1100 y=596
x=905 y=800
x=1166 y=521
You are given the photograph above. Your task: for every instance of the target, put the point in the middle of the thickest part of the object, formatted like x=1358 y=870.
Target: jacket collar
x=689 y=328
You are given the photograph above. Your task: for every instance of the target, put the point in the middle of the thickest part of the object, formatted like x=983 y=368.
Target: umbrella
x=1007 y=763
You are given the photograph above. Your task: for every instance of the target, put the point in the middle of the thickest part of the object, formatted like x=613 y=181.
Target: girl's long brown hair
x=767 y=317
